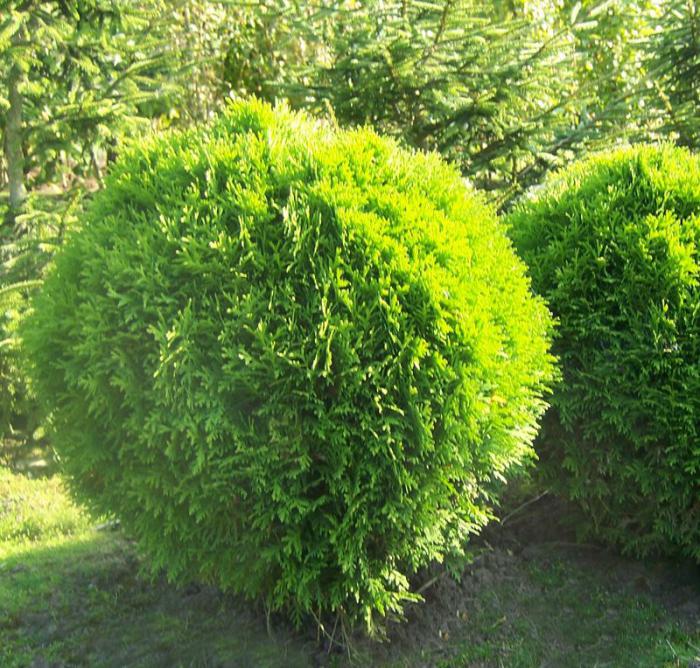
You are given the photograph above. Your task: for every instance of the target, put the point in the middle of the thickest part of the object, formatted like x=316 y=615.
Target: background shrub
x=26 y=249
x=293 y=360
x=613 y=244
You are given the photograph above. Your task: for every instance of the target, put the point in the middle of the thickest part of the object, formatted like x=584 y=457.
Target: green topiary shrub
x=294 y=361
x=613 y=244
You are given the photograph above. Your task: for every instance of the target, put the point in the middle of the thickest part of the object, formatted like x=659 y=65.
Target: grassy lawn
x=557 y=616
x=73 y=594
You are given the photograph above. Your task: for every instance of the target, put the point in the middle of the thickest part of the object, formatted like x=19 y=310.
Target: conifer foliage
x=674 y=71
x=75 y=75
x=295 y=361
x=489 y=92
x=613 y=244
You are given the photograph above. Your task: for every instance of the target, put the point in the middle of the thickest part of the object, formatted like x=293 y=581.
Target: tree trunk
x=14 y=154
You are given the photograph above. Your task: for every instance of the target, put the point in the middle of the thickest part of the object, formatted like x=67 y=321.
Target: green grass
x=73 y=595
x=557 y=616
x=35 y=511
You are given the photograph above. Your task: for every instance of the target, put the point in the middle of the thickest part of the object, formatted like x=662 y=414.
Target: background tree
x=81 y=75
x=673 y=83
x=78 y=72
x=486 y=92
x=507 y=91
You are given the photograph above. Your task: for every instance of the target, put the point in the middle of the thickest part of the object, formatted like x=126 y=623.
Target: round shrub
x=613 y=245
x=294 y=361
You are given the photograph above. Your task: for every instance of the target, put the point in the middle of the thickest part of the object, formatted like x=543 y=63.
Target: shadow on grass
x=80 y=601
x=34 y=459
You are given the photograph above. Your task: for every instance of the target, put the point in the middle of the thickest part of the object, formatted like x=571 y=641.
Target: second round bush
x=613 y=244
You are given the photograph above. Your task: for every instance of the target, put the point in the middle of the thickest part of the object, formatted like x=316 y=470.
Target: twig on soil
x=673 y=651
x=318 y=627
x=268 y=621
x=331 y=638
x=523 y=506
x=348 y=644
x=430 y=582
x=330 y=644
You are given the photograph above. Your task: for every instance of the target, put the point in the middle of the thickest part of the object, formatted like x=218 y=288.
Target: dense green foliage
x=674 y=76
x=25 y=253
x=13 y=392
x=295 y=361
x=81 y=75
x=15 y=403
x=506 y=92
x=420 y=71
x=613 y=245
x=77 y=77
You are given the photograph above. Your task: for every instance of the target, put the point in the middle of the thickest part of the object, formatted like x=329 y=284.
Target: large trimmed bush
x=294 y=361
x=614 y=246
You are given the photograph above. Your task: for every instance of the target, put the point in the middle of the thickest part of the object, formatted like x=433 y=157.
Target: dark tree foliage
x=25 y=253
x=487 y=93
x=76 y=78
x=506 y=91
x=80 y=75
x=674 y=73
